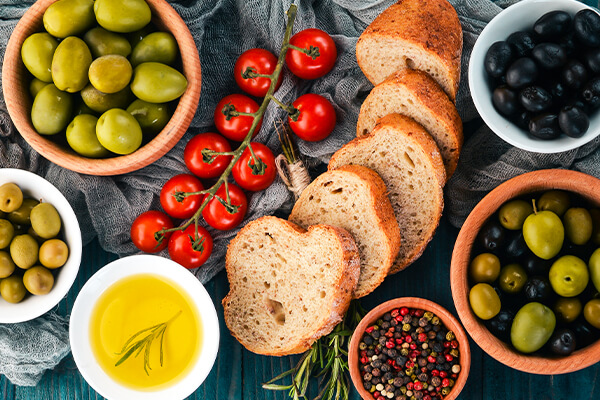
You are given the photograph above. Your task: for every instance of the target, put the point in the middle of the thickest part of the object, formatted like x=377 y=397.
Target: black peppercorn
x=368 y=340
x=389 y=388
x=385 y=325
x=376 y=364
x=367 y=385
x=393 y=322
x=389 y=376
x=385 y=368
x=398 y=382
x=397 y=335
x=407 y=319
x=370 y=352
x=367 y=377
x=375 y=334
x=436 y=381
x=392 y=353
x=383 y=358
x=375 y=380
x=401 y=360
x=382 y=340
x=387 y=316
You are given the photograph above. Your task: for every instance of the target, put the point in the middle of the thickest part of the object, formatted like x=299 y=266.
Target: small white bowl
x=520 y=16
x=79 y=329
x=36 y=187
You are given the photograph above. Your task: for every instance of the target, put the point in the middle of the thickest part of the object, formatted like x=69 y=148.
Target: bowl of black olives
x=525 y=272
x=534 y=75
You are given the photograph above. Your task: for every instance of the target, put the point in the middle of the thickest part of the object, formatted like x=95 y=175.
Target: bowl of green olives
x=40 y=246
x=107 y=94
x=525 y=272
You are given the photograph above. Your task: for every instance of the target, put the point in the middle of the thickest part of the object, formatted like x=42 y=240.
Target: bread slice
x=409 y=162
x=355 y=198
x=288 y=287
x=417 y=34
x=416 y=95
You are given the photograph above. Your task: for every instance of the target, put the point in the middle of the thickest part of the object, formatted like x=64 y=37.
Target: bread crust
x=347 y=278
x=430 y=25
x=382 y=208
x=430 y=97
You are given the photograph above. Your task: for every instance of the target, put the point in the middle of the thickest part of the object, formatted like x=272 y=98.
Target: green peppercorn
x=450 y=336
x=406 y=327
x=445 y=391
x=362 y=346
x=454 y=353
x=428 y=315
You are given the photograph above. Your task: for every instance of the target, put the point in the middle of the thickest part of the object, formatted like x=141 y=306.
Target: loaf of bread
x=416 y=34
x=288 y=286
x=409 y=162
x=416 y=95
x=355 y=198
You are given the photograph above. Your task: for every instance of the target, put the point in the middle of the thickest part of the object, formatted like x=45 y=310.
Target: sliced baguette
x=288 y=287
x=416 y=34
x=355 y=198
x=416 y=95
x=409 y=162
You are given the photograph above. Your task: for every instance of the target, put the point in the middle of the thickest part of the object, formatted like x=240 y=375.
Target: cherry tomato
x=236 y=128
x=145 y=226
x=218 y=217
x=246 y=177
x=181 y=183
x=316 y=120
x=303 y=65
x=262 y=62
x=189 y=251
x=194 y=160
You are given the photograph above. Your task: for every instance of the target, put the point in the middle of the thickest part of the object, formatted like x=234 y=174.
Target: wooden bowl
x=585 y=186
x=447 y=319
x=15 y=83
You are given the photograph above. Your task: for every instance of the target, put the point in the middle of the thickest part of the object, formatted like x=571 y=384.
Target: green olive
x=81 y=136
x=484 y=268
x=513 y=214
x=24 y=251
x=12 y=289
x=38 y=280
x=157 y=83
x=578 y=225
x=594 y=267
x=51 y=110
x=595 y=214
x=53 y=253
x=45 y=220
x=7 y=266
x=37 y=52
x=119 y=132
x=532 y=327
x=7 y=232
x=568 y=276
x=69 y=17
x=158 y=47
x=567 y=309
x=102 y=43
x=557 y=201
x=21 y=215
x=70 y=65
x=102 y=102
x=512 y=278
x=152 y=117
x=110 y=74
x=591 y=312
x=35 y=86
x=11 y=197
x=484 y=300
x=122 y=15
x=544 y=234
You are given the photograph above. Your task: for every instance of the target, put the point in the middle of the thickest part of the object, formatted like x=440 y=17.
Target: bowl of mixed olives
x=525 y=272
x=101 y=87
x=40 y=246
x=534 y=75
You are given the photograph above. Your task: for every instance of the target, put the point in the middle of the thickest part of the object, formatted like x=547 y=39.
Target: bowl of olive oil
x=143 y=327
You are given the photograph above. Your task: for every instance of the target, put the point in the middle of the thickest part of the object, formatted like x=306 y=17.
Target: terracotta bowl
x=583 y=185
x=15 y=83
x=411 y=302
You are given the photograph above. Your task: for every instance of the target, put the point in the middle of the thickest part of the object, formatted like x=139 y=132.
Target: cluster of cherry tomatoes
x=314 y=120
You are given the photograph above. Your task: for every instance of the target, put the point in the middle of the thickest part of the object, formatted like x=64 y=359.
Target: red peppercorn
x=414 y=354
x=399 y=318
x=449 y=357
x=407 y=339
x=398 y=341
x=390 y=361
x=454 y=344
x=390 y=344
x=427 y=397
x=403 y=311
x=376 y=395
x=370 y=329
x=443 y=374
x=454 y=376
x=409 y=386
x=431 y=359
x=413 y=346
x=363 y=353
x=435 y=372
x=419 y=313
x=395 y=312
x=445 y=382
x=422 y=337
x=389 y=334
x=364 y=360
x=446 y=344
x=409 y=364
x=418 y=386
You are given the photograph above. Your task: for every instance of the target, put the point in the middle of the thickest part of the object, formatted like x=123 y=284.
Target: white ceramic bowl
x=79 y=329
x=520 y=16
x=38 y=188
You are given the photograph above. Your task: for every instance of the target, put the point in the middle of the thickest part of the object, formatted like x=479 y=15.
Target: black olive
x=591 y=58
x=544 y=126
x=534 y=265
x=522 y=43
x=522 y=120
x=501 y=324
x=574 y=74
x=515 y=245
x=591 y=92
x=587 y=27
x=549 y=55
x=537 y=288
x=585 y=334
x=569 y=43
x=563 y=342
x=491 y=236
x=521 y=73
x=552 y=24
x=557 y=90
x=535 y=99
x=505 y=100
x=573 y=121
x=497 y=59
x=579 y=103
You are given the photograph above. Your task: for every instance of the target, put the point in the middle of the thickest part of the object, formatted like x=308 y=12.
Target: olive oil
x=136 y=304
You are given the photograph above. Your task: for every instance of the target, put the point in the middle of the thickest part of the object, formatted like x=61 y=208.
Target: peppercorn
x=370 y=353
x=393 y=322
x=368 y=340
x=362 y=346
x=387 y=316
x=375 y=334
x=445 y=391
x=418 y=395
x=392 y=353
x=367 y=377
x=456 y=369
x=422 y=362
x=379 y=387
x=423 y=321
x=375 y=380
x=368 y=368
x=454 y=352
x=388 y=377
x=450 y=336
x=376 y=363
x=385 y=368
x=385 y=325
x=376 y=372
x=436 y=381
x=366 y=384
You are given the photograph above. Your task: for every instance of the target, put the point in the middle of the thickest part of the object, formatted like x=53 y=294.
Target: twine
x=295 y=176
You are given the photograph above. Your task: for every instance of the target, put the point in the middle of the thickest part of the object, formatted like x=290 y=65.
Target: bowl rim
x=18 y=101
x=481 y=93
x=449 y=320
x=140 y=265
x=584 y=185
x=37 y=187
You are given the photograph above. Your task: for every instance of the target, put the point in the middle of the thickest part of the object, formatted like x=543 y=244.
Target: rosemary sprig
x=145 y=343
x=327 y=359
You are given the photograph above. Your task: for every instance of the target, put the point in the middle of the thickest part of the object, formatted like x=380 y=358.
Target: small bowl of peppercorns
x=409 y=348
